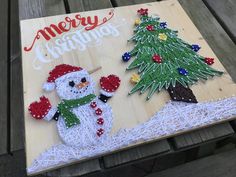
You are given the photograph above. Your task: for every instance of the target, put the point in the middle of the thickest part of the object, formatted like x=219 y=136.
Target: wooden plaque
x=106 y=43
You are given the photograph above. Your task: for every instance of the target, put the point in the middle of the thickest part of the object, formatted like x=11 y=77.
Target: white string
x=173 y=118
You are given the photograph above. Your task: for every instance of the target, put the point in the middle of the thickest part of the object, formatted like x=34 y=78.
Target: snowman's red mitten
x=109 y=85
x=42 y=109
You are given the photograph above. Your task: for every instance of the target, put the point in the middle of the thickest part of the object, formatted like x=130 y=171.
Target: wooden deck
x=215 y=19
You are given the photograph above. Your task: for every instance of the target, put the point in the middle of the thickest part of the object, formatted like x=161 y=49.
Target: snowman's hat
x=57 y=72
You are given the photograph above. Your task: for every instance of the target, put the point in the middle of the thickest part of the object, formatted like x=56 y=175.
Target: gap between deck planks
x=4 y=72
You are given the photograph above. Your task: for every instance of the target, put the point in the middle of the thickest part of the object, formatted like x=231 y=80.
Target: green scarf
x=65 y=106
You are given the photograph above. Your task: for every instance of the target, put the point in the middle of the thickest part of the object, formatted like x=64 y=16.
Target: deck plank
x=79 y=169
x=85 y=5
x=40 y=8
x=225 y=13
x=4 y=77
x=136 y=153
x=204 y=135
x=13 y=165
x=16 y=85
x=213 y=33
x=209 y=166
x=131 y=2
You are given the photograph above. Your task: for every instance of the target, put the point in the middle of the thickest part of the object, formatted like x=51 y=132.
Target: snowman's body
x=85 y=133
x=75 y=88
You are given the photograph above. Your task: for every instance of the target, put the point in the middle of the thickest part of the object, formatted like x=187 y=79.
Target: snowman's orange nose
x=82 y=84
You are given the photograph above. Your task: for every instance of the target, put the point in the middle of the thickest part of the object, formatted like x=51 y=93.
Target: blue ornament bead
x=182 y=71
x=163 y=24
x=195 y=47
x=126 y=56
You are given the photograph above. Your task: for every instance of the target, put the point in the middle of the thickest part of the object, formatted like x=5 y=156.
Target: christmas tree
x=165 y=61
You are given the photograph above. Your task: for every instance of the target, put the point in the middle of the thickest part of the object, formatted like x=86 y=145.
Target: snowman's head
x=70 y=82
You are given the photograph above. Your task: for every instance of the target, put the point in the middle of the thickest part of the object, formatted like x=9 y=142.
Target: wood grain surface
x=4 y=72
x=85 y=5
x=216 y=165
x=224 y=11
x=16 y=82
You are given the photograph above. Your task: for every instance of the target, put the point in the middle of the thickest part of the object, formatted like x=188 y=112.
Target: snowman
x=83 y=119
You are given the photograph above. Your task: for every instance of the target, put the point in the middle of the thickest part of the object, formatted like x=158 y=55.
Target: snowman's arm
x=43 y=110
x=53 y=113
x=109 y=85
x=104 y=97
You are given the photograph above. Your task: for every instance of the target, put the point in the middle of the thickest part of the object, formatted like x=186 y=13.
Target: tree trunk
x=181 y=93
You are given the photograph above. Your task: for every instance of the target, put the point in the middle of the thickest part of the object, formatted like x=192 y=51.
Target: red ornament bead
x=143 y=11
x=98 y=111
x=150 y=27
x=100 y=132
x=209 y=61
x=157 y=58
x=93 y=104
x=100 y=121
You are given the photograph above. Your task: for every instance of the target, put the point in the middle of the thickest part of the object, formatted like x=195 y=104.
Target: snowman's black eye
x=83 y=79
x=71 y=83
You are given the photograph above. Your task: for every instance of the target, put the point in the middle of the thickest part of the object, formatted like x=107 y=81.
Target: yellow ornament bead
x=162 y=36
x=137 y=22
x=135 y=78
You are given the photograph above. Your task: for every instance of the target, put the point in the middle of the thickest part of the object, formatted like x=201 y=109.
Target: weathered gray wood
x=131 y=2
x=85 y=5
x=14 y=165
x=168 y=161
x=219 y=165
x=77 y=169
x=136 y=153
x=16 y=86
x=4 y=76
x=40 y=8
x=225 y=12
x=203 y=135
x=213 y=33
x=124 y=171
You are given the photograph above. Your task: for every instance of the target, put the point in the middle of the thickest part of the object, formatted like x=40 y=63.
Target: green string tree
x=165 y=61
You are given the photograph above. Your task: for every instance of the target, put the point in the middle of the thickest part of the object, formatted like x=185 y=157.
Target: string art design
x=163 y=59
